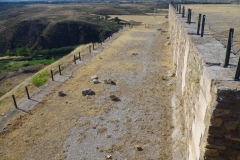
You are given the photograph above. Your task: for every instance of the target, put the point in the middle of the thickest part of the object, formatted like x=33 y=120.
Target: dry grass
x=222 y=17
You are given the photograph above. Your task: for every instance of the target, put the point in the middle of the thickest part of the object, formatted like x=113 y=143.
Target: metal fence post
x=180 y=9
x=52 y=75
x=14 y=101
x=237 y=75
x=79 y=56
x=59 y=69
x=231 y=31
x=199 y=22
x=183 y=12
x=27 y=92
x=203 y=23
x=188 y=16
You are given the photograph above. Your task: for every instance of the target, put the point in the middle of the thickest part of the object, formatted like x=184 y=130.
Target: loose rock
x=87 y=91
x=94 y=77
x=139 y=148
x=95 y=81
x=107 y=81
x=108 y=157
x=113 y=97
x=134 y=54
x=60 y=93
x=168 y=43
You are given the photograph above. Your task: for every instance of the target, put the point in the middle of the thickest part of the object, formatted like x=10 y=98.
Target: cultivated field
x=222 y=17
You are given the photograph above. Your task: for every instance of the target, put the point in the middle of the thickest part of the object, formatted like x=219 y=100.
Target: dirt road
x=92 y=127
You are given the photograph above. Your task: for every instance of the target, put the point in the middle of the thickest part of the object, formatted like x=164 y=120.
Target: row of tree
x=25 y=51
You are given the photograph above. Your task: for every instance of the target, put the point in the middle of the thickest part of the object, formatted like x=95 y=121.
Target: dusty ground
x=221 y=17
x=78 y=127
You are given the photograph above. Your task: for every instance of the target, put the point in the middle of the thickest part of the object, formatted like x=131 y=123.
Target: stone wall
x=206 y=104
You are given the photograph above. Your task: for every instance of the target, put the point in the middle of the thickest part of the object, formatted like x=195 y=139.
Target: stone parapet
x=206 y=104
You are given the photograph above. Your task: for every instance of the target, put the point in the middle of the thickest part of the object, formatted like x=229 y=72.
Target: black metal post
x=59 y=69
x=199 y=22
x=74 y=59
x=52 y=75
x=177 y=7
x=27 y=92
x=183 y=12
x=79 y=56
x=237 y=75
x=89 y=48
x=180 y=9
x=14 y=101
x=190 y=16
x=203 y=23
x=230 y=36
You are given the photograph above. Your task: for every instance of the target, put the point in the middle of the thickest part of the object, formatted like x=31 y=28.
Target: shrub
x=39 y=79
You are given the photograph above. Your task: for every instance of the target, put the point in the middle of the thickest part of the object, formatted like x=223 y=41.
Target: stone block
x=238 y=157
x=211 y=152
x=231 y=125
x=216 y=122
x=221 y=112
x=217 y=147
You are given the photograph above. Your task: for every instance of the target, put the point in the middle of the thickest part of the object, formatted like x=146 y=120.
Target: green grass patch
x=39 y=79
x=39 y=61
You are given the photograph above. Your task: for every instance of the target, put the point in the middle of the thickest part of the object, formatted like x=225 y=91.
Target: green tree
x=116 y=19
x=23 y=51
x=8 y=53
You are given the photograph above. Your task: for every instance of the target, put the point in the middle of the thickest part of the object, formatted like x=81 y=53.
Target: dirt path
x=78 y=127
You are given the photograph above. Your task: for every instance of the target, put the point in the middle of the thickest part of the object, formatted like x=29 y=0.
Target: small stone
x=139 y=148
x=134 y=54
x=109 y=136
x=170 y=74
x=108 y=157
x=3 y=114
x=94 y=77
x=95 y=81
x=168 y=37
x=87 y=91
x=113 y=97
x=107 y=81
x=168 y=43
x=60 y=93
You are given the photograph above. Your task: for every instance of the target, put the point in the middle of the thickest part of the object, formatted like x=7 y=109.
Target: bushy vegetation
x=39 y=79
x=44 y=57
